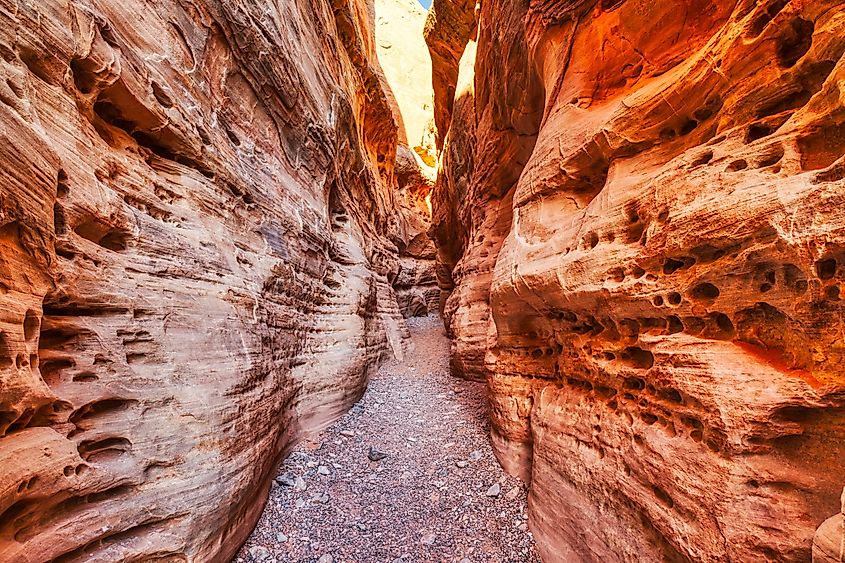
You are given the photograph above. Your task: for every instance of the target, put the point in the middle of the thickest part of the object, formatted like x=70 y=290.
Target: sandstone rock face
x=415 y=284
x=404 y=59
x=638 y=224
x=199 y=239
x=448 y=27
x=829 y=543
x=406 y=65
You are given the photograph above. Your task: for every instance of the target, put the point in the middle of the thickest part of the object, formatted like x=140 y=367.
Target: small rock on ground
x=259 y=553
x=376 y=455
x=428 y=500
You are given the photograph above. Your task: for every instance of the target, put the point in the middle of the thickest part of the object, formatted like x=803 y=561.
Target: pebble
x=259 y=553
x=376 y=455
x=411 y=503
x=428 y=539
x=494 y=490
x=286 y=479
x=320 y=497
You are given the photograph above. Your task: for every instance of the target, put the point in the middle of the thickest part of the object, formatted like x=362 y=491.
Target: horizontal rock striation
x=648 y=267
x=198 y=243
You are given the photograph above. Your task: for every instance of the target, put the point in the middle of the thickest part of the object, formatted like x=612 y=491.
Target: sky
x=425 y=3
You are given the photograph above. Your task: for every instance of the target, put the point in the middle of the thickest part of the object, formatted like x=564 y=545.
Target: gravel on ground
x=408 y=475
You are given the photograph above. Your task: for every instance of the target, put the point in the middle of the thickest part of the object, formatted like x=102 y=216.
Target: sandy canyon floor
x=437 y=495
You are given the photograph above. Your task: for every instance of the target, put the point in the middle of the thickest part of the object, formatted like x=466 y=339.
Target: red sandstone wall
x=649 y=269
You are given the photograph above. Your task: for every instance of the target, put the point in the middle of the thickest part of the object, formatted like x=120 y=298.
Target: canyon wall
x=199 y=239
x=403 y=57
x=640 y=232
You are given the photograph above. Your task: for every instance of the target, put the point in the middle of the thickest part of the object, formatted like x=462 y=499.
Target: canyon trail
x=439 y=495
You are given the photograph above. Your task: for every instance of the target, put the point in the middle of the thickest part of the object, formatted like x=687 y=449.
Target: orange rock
x=648 y=267
x=448 y=27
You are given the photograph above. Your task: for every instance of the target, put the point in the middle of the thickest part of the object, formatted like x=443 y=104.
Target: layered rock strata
x=404 y=59
x=639 y=229
x=199 y=239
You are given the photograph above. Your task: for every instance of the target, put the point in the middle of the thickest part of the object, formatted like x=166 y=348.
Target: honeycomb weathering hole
x=636 y=357
x=31 y=325
x=705 y=292
x=794 y=42
x=826 y=268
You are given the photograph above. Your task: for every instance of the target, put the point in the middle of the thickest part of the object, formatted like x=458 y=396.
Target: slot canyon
x=240 y=240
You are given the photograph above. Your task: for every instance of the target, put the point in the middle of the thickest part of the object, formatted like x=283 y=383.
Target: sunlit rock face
x=638 y=216
x=199 y=239
x=406 y=66
x=449 y=25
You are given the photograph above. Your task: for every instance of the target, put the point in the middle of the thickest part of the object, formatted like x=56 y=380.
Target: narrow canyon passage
x=437 y=495
x=232 y=234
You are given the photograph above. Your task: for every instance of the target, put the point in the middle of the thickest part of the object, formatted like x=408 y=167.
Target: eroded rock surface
x=448 y=27
x=406 y=65
x=829 y=543
x=198 y=241
x=639 y=219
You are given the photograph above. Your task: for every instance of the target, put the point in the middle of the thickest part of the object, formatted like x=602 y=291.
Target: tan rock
x=404 y=59
x=829 y=542
x=198 y=235
x=406 y=66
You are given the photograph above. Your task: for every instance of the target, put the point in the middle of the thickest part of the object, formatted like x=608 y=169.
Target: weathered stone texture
x=647 y=270
x=829 y=542
x=198 y=238
x=404 y=59
x=449 y=26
